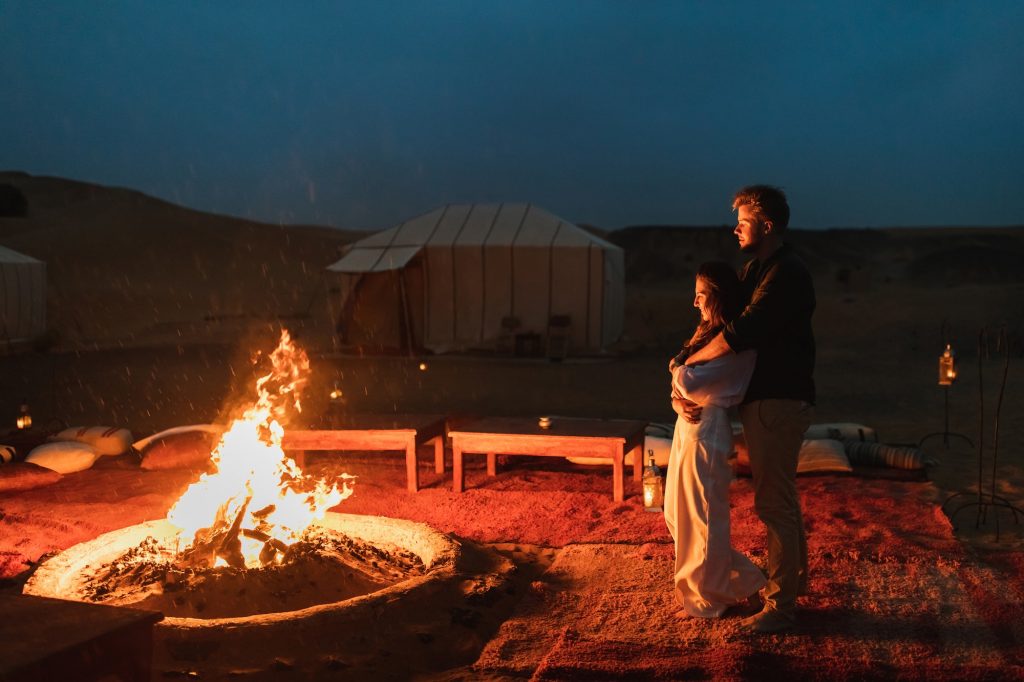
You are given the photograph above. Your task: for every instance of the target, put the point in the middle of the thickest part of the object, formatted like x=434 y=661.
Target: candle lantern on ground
x=654 y=485
x=24 y=417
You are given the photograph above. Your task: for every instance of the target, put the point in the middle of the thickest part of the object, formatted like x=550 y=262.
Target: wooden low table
x=53 y=639
x=611 y=438
x=377 y=432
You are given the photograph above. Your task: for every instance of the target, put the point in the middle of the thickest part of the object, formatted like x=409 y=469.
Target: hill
x=126 y=268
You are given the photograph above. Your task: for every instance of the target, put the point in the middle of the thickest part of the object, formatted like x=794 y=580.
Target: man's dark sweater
x=777 y=324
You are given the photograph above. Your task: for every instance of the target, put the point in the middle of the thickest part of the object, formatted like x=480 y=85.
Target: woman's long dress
x=710 y=575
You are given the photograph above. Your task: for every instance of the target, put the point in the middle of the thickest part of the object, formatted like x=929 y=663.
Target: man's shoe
x=746 y=608
x=767 y=621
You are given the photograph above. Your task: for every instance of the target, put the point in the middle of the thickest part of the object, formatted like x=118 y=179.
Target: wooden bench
x=565 y=437
x=404 y=432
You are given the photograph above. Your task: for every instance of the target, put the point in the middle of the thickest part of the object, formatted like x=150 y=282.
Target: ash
x=323 y=567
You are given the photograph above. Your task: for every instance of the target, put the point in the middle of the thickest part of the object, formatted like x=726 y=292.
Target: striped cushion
x=881 y=455
x=105 y=440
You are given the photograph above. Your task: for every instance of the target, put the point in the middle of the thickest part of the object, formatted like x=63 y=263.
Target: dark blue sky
x=360 y=114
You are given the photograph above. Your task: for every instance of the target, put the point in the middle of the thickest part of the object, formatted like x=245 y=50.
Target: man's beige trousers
x=774 y=431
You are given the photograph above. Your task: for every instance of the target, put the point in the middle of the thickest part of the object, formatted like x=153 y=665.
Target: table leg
x=638 y=456
x=618 y=465
x=439 y=454
x=492 y=464
x=457 y=479
x=412 y=474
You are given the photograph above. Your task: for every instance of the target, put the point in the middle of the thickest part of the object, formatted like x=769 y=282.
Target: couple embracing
x=754 y=348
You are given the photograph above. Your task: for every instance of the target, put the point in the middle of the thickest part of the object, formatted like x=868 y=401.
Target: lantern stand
x=947 y=375
x=990 y=500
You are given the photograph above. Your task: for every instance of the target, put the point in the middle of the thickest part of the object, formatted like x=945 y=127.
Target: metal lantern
x=653 y=485
x=336 y=393
x=24 y=417
x=947 y=367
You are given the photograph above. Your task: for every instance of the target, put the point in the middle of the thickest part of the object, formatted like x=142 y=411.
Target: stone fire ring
x=419 y=625
x=464 y=584
x=63 y=575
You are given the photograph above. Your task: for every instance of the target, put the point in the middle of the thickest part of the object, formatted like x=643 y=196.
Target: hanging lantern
x=336 y=393
x=24 y=417
x=947 y=367
x=653 y=485
x=423 y=366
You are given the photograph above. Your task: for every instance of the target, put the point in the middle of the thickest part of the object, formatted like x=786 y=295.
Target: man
x=776 y=410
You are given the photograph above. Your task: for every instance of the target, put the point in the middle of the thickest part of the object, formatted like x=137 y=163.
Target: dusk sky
x=361 y=114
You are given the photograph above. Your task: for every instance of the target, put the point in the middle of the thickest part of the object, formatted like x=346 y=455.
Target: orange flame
x=252 y=467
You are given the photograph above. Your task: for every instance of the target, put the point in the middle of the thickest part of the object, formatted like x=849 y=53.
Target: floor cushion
x=105 y=440
x=179 y=450
x=818 y=455
x=841 y=431
x=882 y=455
x=65 y=457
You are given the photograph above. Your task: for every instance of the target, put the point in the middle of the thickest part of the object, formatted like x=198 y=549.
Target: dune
x=125 y=268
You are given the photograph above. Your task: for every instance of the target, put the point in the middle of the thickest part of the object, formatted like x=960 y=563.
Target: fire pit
x=440 y=611
x=255 y=576
x=345 y=557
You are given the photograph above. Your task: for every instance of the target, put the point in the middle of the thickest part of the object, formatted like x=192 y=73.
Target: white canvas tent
x=466 y=276
x=22 y=297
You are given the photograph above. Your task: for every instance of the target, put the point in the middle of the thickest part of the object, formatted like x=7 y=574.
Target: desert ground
x=155 y=312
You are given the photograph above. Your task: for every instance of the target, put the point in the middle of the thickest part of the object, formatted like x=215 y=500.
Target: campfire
x=257 y=502
x=251 y=536
x=252 y=573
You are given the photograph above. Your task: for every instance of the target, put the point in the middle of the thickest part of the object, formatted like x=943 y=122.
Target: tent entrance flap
x=380 y=314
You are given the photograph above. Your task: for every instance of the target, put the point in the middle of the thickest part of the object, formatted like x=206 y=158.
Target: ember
x=332 y=566
x=254 y=473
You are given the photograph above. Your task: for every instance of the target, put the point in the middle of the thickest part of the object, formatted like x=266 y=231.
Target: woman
x=710 y=576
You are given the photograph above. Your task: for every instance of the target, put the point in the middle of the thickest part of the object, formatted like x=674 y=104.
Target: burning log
x=211 y=543
x=230 y=549
x=271 y=546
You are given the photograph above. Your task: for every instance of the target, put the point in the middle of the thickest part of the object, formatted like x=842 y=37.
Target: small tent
x=22 y=297
x=473 y=275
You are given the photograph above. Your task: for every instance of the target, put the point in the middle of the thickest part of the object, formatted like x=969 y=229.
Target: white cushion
x=208 y=428
x=841 y=431
x=65 y=457
x=825 y=454
x=105 y=440
x=815 y=455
